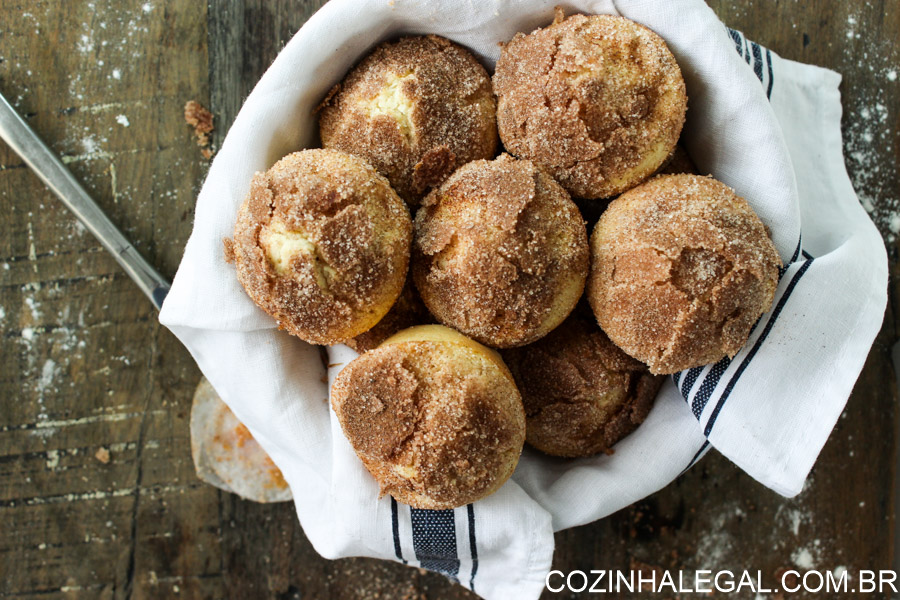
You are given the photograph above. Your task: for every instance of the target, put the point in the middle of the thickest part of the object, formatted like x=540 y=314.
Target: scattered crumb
x=803 y=558
x=85 y=44
x=102 y=455
x=198 y=117
x=122 y=120
x=894 y=223
x=809 y=556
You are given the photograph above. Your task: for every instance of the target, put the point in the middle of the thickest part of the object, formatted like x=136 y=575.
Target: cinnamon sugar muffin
x=681 y=269
x=500 y=252
x=581 y=393
x=416 y=109
x=435 y=417
x=598 y=101
x=322 y=244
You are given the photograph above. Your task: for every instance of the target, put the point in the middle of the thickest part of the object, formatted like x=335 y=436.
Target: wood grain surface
x=86 y=367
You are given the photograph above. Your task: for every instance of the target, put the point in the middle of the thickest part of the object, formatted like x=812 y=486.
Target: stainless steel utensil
x=50 y=169
x=46 y=165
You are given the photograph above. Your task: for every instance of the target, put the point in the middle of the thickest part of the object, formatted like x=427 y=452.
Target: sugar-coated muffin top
x=500 y=252
x=597 y=100
x=416 y=109
x=435 y=417
x=322 y=244
x=581 y=393
x=681 y=268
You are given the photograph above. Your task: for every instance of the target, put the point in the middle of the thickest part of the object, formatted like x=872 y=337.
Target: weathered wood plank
x=87 y=366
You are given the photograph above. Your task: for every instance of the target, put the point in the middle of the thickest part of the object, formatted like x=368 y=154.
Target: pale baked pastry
x=681 y=270
x=322 y=244
x=416 y=109
x=500 y=252
x=227 y=456
x=598 y=101
x=434 y=416
x=581 y=393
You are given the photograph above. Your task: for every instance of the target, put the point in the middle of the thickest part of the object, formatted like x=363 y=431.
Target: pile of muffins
x=408 y=238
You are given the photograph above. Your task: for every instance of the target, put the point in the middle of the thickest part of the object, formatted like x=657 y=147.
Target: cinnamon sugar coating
x=416 y=109
x=598 y=101
x=581 y=393
x=681 y=269
x=500 y=252
x=438 y=423
x=322 y=244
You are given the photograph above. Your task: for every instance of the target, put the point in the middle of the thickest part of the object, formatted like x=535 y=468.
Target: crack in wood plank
x=99 y=495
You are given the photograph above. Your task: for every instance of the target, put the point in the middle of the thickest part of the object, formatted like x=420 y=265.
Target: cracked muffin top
x=581 y=393
x=416 y=109
x=500 y=253
x=321 y=243
x=598 y=101
x=681 y=269
x=434 y=416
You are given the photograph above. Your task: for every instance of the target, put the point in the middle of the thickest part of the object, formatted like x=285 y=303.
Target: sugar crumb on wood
x=102 y=455
x=198 y=117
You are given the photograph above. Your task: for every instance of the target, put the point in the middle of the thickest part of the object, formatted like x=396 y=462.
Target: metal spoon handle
x=25 y=142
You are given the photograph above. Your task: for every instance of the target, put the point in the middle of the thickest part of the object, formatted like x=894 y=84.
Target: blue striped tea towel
x=768 y=127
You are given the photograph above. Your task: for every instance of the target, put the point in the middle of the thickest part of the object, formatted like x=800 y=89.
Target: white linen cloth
x=768 y=127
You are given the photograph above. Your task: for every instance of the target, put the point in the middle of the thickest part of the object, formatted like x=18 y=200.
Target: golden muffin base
x=416 y=109
x=679 y=163
x=681 y=270
x=322 y=244
x=598 y=101
x=407 y=311
x=581 y=393
x=500 y=252
x=435 y=417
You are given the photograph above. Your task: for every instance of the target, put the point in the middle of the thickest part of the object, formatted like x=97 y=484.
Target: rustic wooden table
x=86 y=369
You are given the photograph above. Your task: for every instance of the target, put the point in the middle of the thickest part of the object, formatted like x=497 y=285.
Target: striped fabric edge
x=700 y=384
x=701 y=452
x=434 y=540
x=473 y=546
x=714 y=373
x=758 y=57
